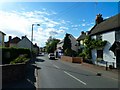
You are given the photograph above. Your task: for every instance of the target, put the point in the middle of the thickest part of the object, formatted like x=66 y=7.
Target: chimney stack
x=98 y=19
x=10 y=37
x=82 y=32
x=87 y=32
x=35 y=44
x=23 y=37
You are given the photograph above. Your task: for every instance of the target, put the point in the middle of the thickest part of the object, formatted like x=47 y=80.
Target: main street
x=61 y=74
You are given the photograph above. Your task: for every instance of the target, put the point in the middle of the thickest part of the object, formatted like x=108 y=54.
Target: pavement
x=110 y=73
x=28 y=83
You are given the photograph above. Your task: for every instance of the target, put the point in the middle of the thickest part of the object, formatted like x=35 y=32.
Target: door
x=118 y=58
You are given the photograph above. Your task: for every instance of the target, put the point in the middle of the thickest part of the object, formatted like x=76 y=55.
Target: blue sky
x=55 y=18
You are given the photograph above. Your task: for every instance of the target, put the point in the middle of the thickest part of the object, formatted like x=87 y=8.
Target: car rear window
x=51 y=54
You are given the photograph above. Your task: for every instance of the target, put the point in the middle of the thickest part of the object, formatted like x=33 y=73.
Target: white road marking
x=75 y=78
x=36 y=75
x=56 y=66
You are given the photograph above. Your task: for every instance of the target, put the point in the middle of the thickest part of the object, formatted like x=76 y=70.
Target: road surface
x=61 y=74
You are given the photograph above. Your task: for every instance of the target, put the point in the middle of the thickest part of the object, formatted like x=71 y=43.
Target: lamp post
x=32 y=40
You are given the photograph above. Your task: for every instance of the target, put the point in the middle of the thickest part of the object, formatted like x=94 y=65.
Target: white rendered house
x=108 y=30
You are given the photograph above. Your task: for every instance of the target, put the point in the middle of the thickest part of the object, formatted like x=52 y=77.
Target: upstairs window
x=99 y=37
x=118 y=35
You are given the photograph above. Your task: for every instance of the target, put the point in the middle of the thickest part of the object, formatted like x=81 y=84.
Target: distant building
x=2 y=38
x=74 y=46
x=80 y=41
x=36 y=49
x=73 y=43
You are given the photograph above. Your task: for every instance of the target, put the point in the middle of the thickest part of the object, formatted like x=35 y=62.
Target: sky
x=55 y=18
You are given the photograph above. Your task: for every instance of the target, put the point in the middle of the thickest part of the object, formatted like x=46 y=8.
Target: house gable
x=25 y=43
x=2 y=38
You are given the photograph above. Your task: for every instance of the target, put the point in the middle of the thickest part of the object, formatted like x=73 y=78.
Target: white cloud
x=20 y=23
x=75 y=26
x=64 y=28
x=83 y=20
x=63 y=22
x=106 y=17
x=83 y=24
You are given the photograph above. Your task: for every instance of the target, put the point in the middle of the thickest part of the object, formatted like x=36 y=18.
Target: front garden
x=14 y=64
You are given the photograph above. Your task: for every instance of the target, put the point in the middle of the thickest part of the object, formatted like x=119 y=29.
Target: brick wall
x=72 y=59
x=66 y=58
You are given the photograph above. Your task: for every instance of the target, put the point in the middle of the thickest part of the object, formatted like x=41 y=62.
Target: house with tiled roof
x=12 y=42
x=73 y=43
x=2 y=38
x=61 y=43
x=109 y=30
x=26 y=43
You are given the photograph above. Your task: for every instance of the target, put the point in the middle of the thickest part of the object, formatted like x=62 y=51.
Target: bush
x=74 y=53
x=68 y=52
x=20 y=59
x=82 y=55
x=88 y=61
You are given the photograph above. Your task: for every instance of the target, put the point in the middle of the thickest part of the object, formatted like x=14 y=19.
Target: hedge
x=9 y=54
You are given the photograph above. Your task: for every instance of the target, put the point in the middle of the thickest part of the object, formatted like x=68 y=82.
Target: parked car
x=51 y=56
x=41 y=54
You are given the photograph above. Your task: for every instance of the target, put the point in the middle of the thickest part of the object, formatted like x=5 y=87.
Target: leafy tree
x=91 y=44
x=51 y=44
x=67 y=43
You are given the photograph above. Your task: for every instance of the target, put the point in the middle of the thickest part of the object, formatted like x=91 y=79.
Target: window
x=99 y=37
x=118 y=35
x=0 y=40
x=99 y=53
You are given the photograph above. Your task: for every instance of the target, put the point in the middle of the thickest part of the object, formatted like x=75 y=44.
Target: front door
x=118 y=58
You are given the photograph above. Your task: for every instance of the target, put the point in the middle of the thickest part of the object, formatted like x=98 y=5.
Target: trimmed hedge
x=9 y=54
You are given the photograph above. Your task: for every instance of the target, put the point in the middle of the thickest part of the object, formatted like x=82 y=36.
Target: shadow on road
x=54 y=59
x=39 y=60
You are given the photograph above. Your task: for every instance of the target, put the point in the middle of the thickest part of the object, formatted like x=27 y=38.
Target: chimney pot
x=99 y=18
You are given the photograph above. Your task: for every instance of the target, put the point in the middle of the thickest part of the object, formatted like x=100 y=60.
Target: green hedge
x=9 y=54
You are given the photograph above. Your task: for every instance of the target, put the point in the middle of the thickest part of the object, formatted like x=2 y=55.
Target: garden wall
x=12 y=73
x=72 y=59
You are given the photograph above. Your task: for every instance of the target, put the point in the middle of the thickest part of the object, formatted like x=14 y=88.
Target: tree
x=51 y=44
x=67 y=44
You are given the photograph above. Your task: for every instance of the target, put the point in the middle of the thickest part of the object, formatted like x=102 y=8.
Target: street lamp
x=32 y=39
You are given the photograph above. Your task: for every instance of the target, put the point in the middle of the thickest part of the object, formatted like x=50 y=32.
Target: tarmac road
x=61 y=74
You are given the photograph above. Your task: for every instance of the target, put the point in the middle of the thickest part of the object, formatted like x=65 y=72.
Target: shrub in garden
x=20 y=59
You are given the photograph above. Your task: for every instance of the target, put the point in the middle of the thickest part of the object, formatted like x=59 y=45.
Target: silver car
x=51 y=56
